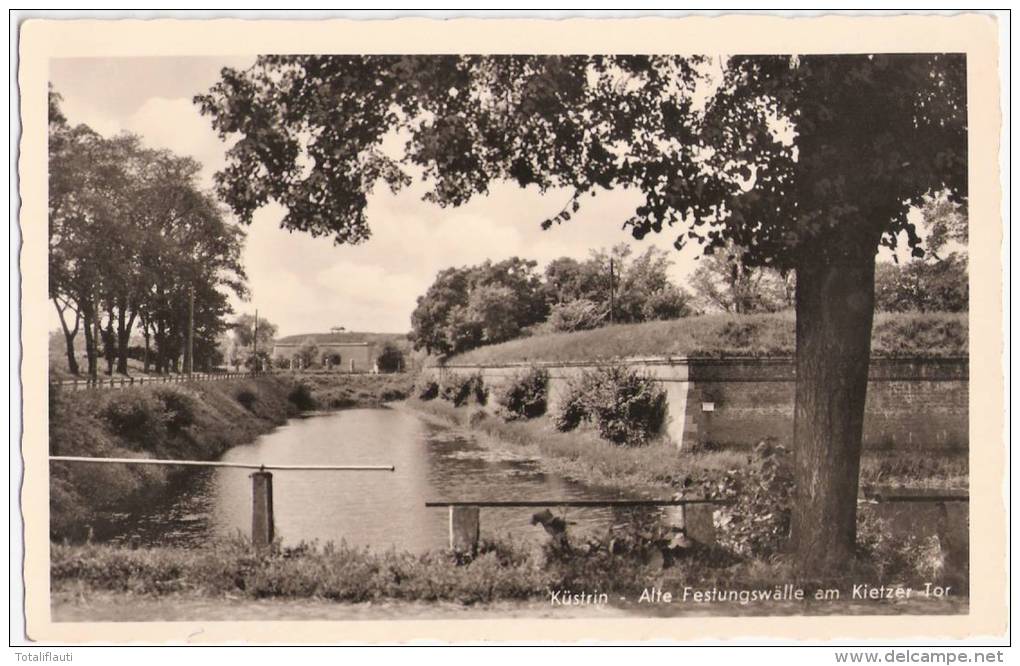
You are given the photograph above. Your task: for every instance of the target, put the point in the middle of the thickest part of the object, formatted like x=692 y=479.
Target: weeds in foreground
x=623 y=561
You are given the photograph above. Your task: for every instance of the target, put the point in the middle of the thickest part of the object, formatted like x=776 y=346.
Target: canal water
x=375 y=509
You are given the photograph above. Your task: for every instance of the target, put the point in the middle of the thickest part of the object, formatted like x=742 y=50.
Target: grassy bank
x=657 y=467
x=197 y=421
x=899 y=334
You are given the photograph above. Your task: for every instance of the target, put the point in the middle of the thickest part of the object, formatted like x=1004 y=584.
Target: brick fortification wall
x=913 y=403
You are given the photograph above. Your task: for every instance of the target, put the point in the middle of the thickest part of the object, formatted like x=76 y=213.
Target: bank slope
x=197 y=421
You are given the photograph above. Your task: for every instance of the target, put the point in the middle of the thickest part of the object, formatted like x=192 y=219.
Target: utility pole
x=612 y=294
x=255 y=344
x=191 y=329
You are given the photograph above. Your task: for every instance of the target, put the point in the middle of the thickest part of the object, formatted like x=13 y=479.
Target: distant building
x=345 y=352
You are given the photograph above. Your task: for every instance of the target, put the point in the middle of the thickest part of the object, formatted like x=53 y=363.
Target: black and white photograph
x=457 y=335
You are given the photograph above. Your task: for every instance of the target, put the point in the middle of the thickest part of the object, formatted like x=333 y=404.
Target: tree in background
x=447 y=293
x=390 y=358
x=567 y=279
x=308 y=353
x=495 y=313
x=245 y=338
x=938 y=281
x=475 y=305
x=645 y=291
x=808 y=162
x=946 y=226
x=582 y=296
x=724 y=282
x=922 y=286
x=133 y=240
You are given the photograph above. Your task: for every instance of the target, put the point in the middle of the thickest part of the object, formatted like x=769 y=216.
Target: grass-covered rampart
x=932 y=334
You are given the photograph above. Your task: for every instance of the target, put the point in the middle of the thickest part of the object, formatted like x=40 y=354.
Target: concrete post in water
x=262 y=529
x=464 y=529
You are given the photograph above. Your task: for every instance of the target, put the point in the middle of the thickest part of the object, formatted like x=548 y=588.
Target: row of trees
x=492 y=302
x=135 y=246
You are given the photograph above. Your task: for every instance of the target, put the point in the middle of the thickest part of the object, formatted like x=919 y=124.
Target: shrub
x=426 y=388
x=577 y=315
x=179 y=407
x=757 y=524
x=302 y=398
x=390 y=358
x=630 y=408
x=627 y=407
x=459 y=389
x=524 y=396
x=573 y=407
x=247 y=398
x=136 y=416
x=894 y=556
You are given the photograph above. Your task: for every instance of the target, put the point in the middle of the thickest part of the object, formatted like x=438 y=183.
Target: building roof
x=321 y=338
x=346 y=337
x=322 y=345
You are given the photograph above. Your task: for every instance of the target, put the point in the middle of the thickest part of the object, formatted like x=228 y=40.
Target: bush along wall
x=460 y=389
x=626 y=406
x=426 y=387
x=524 y=395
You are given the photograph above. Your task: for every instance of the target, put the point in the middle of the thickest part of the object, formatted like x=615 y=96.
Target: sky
x=306 y=284
x=309 y=285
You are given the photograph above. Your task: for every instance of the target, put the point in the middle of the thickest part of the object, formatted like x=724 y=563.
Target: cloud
x=374 y=285
x=176 y=125
x=306 y=284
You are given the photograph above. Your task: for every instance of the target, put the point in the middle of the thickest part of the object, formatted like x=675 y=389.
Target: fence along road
x=144 y=380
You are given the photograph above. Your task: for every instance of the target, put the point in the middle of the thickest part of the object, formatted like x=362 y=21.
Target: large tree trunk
x=69 y=336
x=124 y=325
x=147 y=335
x=835 y=307
x=89 y=326
x=109 y=344
x=160 y=347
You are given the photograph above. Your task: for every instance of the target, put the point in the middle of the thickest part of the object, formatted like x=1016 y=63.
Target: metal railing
x=465 y=515
x=263 y=527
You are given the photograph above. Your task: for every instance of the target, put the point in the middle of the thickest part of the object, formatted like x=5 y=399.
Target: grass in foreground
x=895 y=334
x=500 y=572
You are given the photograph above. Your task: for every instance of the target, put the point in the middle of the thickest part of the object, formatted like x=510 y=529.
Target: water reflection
x=375 y=509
